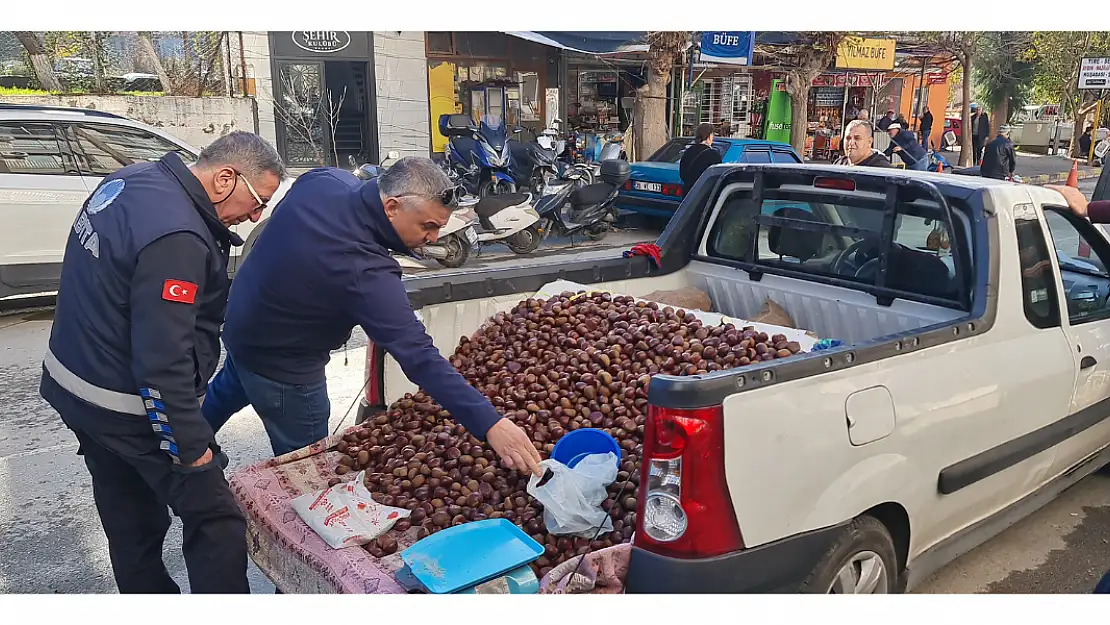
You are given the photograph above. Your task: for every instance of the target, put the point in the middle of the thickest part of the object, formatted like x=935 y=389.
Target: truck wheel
x=526 y=241
x=861 y=561
x=458 y=250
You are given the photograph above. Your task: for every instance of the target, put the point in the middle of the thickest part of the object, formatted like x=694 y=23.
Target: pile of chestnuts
x=574 y=361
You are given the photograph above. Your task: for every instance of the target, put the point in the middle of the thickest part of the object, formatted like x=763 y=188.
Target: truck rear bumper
x=779 y=567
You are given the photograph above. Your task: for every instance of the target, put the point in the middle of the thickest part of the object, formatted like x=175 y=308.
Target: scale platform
x=482 y=557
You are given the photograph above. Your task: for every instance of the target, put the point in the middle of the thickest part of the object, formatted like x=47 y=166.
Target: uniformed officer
x=135 y=338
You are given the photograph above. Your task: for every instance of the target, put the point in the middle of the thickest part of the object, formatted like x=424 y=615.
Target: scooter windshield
x=493 y=130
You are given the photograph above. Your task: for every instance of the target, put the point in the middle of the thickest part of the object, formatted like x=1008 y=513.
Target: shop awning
x=587 y=42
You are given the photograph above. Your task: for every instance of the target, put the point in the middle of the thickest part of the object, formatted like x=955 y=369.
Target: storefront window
x=889 y=98
x=440 y=43
x=596 y=105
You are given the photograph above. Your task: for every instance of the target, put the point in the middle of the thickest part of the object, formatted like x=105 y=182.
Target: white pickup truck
x=971 y=387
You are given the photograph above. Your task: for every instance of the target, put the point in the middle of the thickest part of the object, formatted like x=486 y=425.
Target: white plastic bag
x=572 y=497
x=345 y=515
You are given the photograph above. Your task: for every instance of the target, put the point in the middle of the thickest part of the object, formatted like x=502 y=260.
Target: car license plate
x=654 y=187
x=472 y=236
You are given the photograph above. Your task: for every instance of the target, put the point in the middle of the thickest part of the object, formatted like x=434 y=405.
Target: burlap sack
x=773 y=314
x=689 y=298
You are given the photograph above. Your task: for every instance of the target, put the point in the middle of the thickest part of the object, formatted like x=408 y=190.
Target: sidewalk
x=1040 y=168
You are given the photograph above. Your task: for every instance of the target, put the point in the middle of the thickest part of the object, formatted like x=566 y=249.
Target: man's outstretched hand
x=514 y=447
x=1076 y=200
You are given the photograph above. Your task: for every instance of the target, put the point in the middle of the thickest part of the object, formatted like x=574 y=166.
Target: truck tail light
x=686 y=510
x=839 y=184
x=374 y=371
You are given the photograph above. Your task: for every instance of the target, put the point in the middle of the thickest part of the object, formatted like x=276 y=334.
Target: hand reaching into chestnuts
x=514 y=447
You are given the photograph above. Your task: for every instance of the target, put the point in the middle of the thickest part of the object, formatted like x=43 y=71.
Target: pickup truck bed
x=969 y=390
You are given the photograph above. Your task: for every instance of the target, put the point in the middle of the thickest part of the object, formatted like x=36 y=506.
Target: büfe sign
x=1094 y=73
x=860 y=53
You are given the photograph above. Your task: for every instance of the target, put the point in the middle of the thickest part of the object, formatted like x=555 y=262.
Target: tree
x=1005 y=74
x=650 y=112
x=1058 y=56
x=35 y=46
x=804 y=59
x=961 y=47
x=146 y=49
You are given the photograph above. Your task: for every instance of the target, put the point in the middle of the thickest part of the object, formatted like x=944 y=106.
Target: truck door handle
x=1087 y=362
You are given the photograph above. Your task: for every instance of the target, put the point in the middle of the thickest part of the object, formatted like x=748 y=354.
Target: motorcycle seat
x=591 y=195
x=489 y=206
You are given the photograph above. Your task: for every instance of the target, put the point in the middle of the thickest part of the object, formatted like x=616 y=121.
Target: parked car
x=952 y=125
x=51 y=159
x=867 y=466
x=655 y=188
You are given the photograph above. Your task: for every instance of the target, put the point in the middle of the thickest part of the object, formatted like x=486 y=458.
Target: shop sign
x=324 y=41
x=876 y=80
x=727 y=47
x=938 y=79
x=829 y=96
x=860 y=53
x=1094 y=73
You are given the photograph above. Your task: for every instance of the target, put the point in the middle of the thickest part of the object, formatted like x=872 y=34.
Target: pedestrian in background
x=926 y=127
x=1085 y=143
x=136 y=336
x=909 y=150
x=885 y=121
x=698 y=157
x=999 y=159
x=980 y=131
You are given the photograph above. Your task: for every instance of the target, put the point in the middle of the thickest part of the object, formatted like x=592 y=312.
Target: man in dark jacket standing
x=980 y=130
x=135 y=339
x=697 y=158
x=999 y=159
x=885 y=121
x=926 y=127
x=322 y=266
x=905 y=144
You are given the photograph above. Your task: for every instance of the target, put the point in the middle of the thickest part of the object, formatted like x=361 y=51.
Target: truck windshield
x=920 y=262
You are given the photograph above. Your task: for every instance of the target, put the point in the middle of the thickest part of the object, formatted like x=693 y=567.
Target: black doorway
x=346 y=84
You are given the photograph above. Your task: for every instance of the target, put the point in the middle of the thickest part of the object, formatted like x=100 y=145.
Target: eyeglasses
x=449 y=197
x=254 y=194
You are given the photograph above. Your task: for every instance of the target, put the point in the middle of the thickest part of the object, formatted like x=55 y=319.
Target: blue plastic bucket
x=577 y=444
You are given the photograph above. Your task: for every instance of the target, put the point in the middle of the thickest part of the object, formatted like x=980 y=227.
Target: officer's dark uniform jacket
x=143 y=291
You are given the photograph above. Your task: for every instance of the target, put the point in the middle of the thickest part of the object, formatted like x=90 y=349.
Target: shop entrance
x=323 y=102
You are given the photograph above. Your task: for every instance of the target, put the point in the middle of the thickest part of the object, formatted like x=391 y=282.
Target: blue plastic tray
x=469 y=554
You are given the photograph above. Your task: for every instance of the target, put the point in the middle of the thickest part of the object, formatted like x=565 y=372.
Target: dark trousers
x=925 y=138
x=294 y=415
x=976 y=150
x=133 y=483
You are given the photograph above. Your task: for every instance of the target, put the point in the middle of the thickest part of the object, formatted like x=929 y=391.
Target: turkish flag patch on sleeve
x=179 y=291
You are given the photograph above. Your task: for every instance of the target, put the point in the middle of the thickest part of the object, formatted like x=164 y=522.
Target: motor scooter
x=589 y=210
x=508 y=219
x=478 y=155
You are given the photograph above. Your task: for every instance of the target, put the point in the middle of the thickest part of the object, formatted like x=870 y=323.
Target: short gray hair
x=247 y=152
x=859 y=122
x=413 y=175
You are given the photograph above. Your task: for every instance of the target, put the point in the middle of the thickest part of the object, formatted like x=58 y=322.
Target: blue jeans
x=921 y=165
x=294 y=415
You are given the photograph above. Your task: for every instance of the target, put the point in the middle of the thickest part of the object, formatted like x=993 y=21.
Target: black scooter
x=589 y=209
x=532 y=166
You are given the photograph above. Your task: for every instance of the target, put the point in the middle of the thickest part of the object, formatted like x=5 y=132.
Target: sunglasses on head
x=449 y=197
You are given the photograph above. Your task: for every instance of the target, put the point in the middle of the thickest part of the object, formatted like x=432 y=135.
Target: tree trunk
x=1001 y=115
x=36 y=50
x=798 y=118
x=148 y=51
x=1079 y=123
x=650 y=128
x=966 y=158
x=95 y=42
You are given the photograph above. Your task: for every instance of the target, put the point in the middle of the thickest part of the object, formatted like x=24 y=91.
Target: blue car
x=656 y=189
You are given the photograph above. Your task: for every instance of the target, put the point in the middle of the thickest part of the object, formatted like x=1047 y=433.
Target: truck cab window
x=849 y=249
x=1083 y=254
x=1038 y=286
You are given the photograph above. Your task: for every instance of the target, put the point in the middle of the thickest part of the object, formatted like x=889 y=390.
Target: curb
x=1060 y=177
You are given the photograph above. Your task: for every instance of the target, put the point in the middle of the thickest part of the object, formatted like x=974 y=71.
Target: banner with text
x=727 y=47
x=860 y=53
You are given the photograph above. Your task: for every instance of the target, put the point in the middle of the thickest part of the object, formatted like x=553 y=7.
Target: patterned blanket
x=297 y=560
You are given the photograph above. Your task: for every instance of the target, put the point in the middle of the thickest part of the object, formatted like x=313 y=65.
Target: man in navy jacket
x=907 y=146
x=322 y=266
